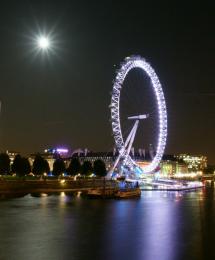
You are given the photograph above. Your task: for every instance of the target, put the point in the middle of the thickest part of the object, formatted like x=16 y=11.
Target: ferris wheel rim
x=128 y=64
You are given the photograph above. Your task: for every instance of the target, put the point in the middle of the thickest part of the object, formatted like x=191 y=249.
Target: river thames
x=159 y=225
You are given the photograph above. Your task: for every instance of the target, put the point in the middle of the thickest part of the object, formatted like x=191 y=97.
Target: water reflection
x=160 y=225
x=145 y=229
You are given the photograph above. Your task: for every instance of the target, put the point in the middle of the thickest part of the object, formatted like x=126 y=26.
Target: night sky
x=62 y=98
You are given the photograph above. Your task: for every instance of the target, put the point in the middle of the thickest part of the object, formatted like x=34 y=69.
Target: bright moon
x=43 y=42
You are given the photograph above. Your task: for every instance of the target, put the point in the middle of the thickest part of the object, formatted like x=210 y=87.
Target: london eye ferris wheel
x=124 y=143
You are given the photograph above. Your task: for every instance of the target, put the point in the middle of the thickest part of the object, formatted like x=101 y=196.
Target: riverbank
x=26 y=186
x=31 y=186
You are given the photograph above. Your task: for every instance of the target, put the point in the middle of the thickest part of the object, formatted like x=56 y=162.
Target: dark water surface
x=160 y=225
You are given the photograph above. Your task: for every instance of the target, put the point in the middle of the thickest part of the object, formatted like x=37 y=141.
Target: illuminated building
x=51 y=154
x=171 y=165
x=49 y=157
x=194 y=162
x=181 y=167
x=107 y=158
x=167 y=168
x=63 y=152
x=11 y=155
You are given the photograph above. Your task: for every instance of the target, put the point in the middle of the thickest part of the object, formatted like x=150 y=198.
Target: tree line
x=21 y=166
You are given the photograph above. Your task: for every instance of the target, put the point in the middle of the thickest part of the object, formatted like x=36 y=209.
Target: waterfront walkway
x=28 y=186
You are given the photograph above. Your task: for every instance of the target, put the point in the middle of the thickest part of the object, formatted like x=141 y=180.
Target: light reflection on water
x=160 y=225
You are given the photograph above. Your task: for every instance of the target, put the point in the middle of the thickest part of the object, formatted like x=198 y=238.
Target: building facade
x=194 y=162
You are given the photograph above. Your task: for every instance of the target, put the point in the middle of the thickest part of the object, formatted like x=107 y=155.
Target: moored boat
x=101 y=193
x=114 y=193
x=128 y=193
